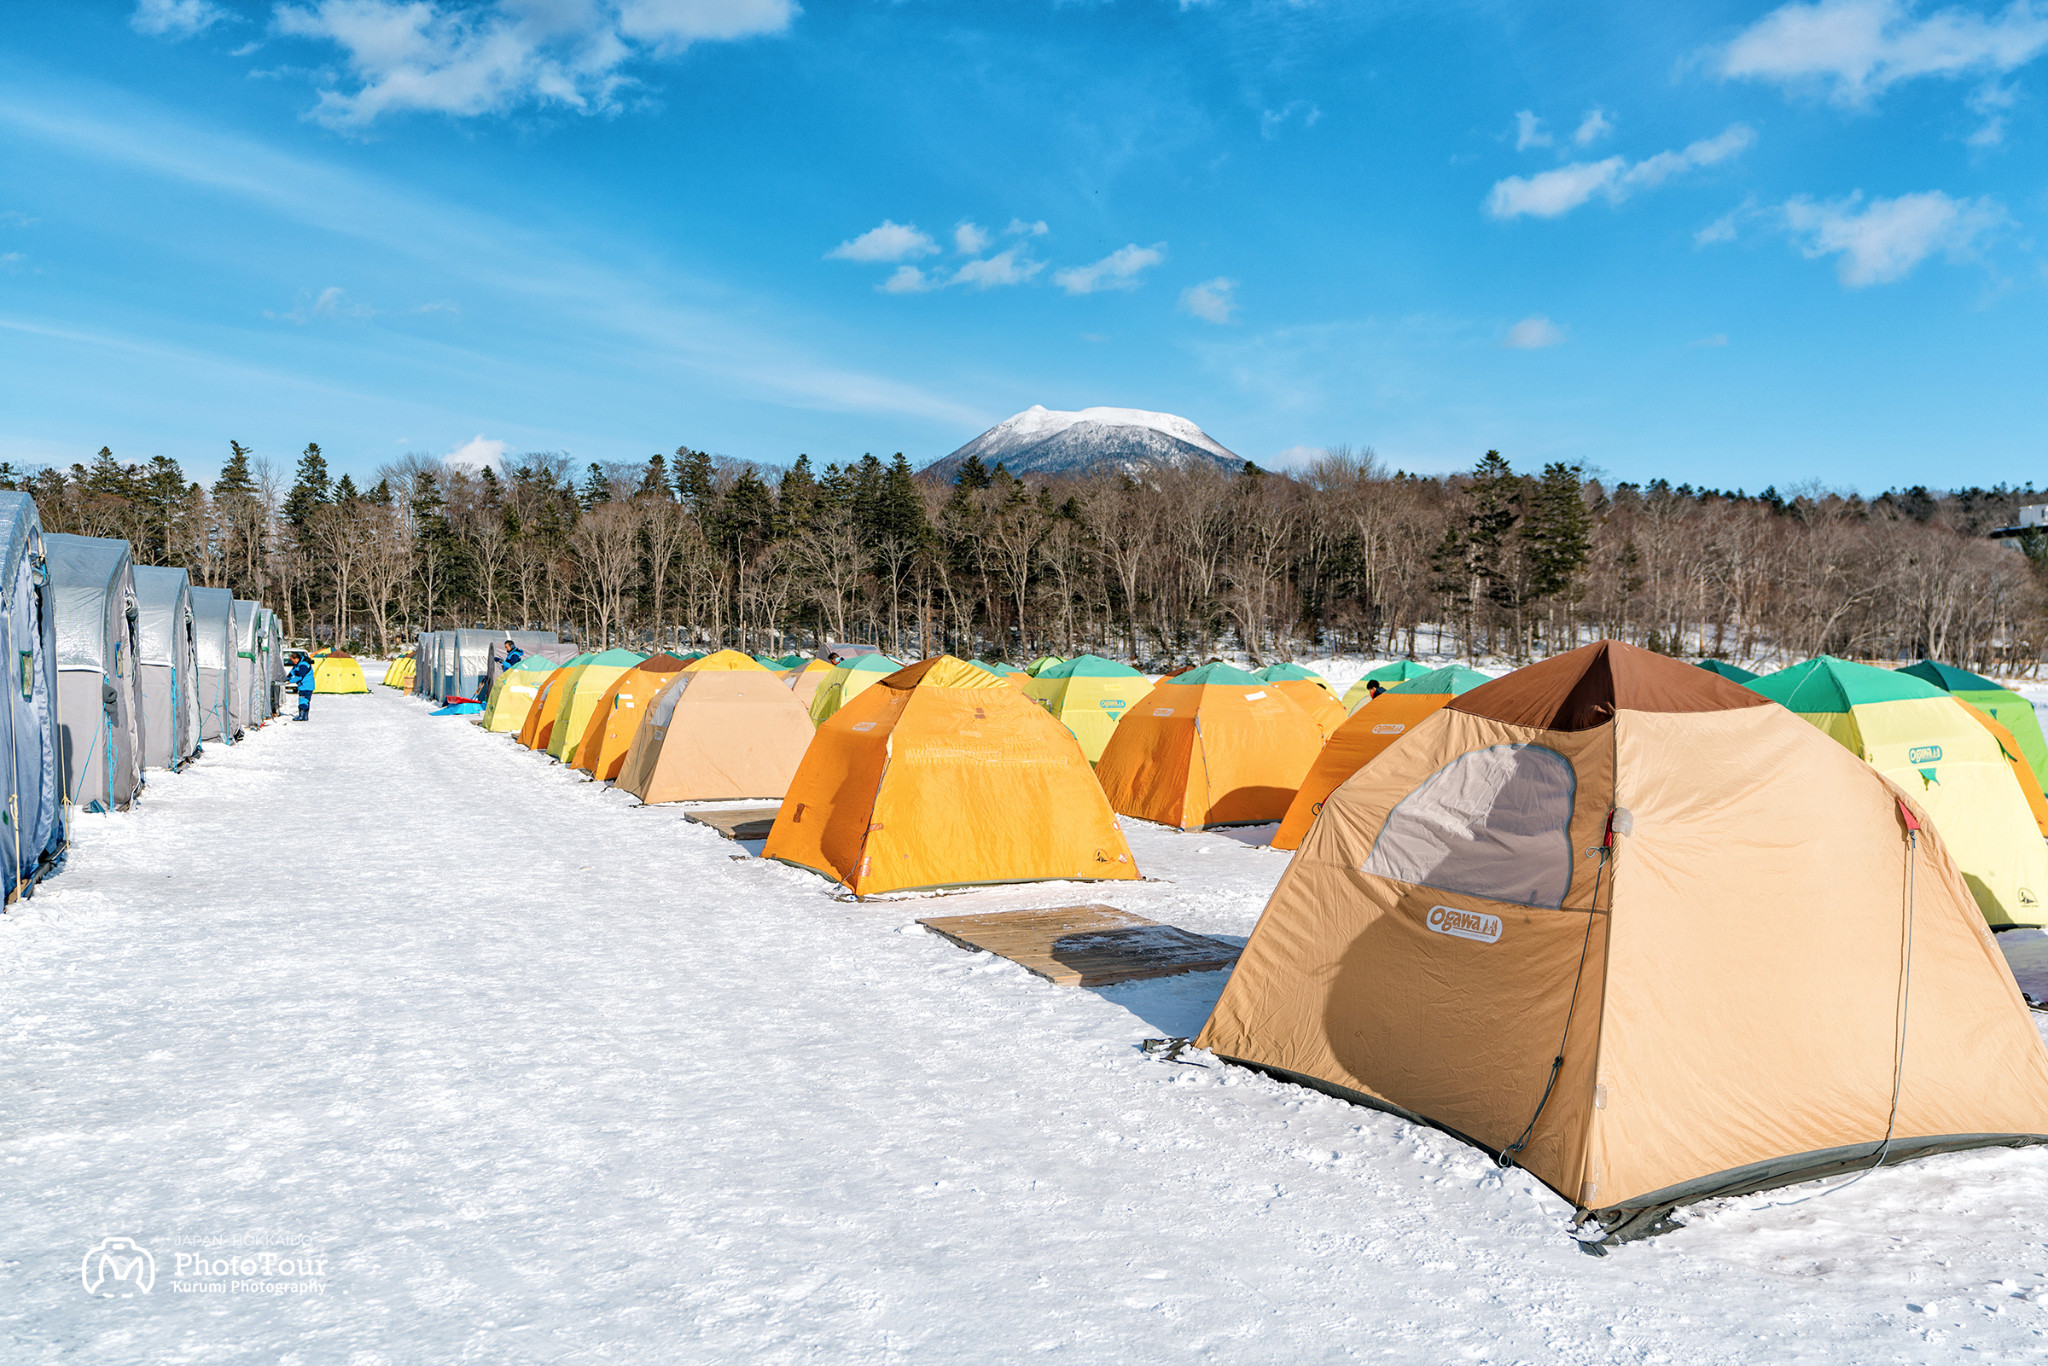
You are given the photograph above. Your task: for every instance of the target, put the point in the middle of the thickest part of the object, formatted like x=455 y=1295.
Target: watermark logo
x=117 y=1268
x=1465 y=924
x=1924 y=754
x=1389 y=728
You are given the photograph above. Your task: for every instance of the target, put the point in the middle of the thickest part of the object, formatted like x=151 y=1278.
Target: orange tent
x=723 y=727
x=1212 y=746
x=1366 y=732
x=1613 y=922
x=539 y=727
x=616 y=719
x=943 y=775
x=1307 y=689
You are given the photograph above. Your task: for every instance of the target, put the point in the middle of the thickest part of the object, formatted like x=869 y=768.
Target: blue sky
x=1730 y=244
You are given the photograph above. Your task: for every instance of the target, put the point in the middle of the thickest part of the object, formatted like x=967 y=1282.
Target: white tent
x=213 y=622
x=99 y=700
x=167 y=662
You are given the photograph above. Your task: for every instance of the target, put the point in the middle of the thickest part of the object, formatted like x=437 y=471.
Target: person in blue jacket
x=300 y=680
x=513 y=654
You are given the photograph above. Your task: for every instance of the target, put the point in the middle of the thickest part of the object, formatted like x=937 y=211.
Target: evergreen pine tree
x=654 y=483
x=596 y=490
x=973 y=474
x=345 y=492
x=309 y=491
x=695 y=483
x=235 y=479
x=797 y=498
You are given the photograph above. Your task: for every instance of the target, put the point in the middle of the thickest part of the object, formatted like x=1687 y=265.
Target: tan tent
x=725 y=728
x=1749 y=965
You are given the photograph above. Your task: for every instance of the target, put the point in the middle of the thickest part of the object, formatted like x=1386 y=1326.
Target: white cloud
x=328 y=303
x=1887 y=239
x=1211 y=300
x=1718 y=339
x=970 y=239
x=1533 y=334
x=476 y=453
x=1272 y=120
x=1118 y=270
x=1019 y=228
x=1529 y=131
x=907 y=280
x=889 y=242
x=1859 y=48
x=1011 y=267
x=1548 y=194
x=1595 y=126
x=502 y=54
x=175 y=18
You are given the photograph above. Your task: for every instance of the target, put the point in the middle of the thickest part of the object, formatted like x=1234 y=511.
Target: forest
x=692 y=551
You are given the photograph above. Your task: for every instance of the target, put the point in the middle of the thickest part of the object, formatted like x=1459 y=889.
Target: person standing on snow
x=300 y=680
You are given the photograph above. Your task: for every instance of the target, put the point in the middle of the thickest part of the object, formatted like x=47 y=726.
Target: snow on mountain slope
x=1042 y=441
x=539 y=1075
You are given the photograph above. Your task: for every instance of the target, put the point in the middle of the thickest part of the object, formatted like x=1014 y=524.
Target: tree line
x=693 y=551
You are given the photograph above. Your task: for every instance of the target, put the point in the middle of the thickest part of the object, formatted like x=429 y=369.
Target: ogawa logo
x=1388 y=728
x=118 y=1267
x=2027 y=898
x=1465 y=924
x=1924 y=754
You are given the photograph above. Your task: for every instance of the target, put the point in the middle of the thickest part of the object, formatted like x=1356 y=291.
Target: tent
x=1042 y=663
x=539 y=726
x=1365 y=735
x=723 y=727
x=512 y=695
x=167 y=658
x=32 y=843
x=338 y=672
x=1212 y=746
x=2001 y=704
x=848 y=680
x=529 y=642
x=1309 y=691
x=582 y=690
x=213 y=624
x=99 y=699
x=1929 y=744
x=244 y=669
x=615 y=721
x=1613 y=922
x=942 y=775
x=1386 y=675
x=398 y=673
x=1086 y=695
x=803 y=680
x=1733 y=673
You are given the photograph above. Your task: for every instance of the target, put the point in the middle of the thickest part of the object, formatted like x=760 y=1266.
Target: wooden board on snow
x=738 y=822
x=1086 y=946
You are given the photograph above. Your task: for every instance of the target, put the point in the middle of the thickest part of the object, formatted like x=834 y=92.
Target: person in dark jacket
x=300 y=680
x=513 y=654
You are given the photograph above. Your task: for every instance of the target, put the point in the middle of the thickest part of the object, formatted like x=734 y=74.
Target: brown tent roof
x=1583 y=688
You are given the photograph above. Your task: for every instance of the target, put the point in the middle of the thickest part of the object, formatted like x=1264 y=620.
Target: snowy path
x=549 y=1078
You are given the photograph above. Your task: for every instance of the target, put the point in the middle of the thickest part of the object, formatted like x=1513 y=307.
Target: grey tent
x=272 y=682
x=244 y=666
x=32 y=844
x=99 y=698
x=529 y=642
x=213 y=623
x=167 y=659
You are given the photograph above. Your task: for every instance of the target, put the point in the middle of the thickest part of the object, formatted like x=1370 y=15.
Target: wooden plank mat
x=1086 y=946
x=738 y=822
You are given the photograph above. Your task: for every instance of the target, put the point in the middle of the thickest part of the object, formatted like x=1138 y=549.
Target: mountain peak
x=1043 y=440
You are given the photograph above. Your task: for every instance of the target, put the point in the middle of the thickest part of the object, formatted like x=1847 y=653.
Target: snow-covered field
x=535 y=1075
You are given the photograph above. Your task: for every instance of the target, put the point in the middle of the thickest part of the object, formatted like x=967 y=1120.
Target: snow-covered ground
x=536 y=1075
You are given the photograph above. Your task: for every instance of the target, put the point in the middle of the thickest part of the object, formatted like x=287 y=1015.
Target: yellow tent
x=848 y=681
x=398 y=673
x=1087 y=695
x=615 y=722
x=581 y=692
x=512 y=695
x=1386 y=675
x=943 y=775
x=338 y=673
x=1211 y=746
x=538 y=729
x=803 y=680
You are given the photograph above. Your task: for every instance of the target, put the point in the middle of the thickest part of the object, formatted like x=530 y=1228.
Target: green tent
x=848 y=679
x=1454 y=680
x=1042 y=663
x=994 y=667
x=1218 y=672
x=1280 y=673
x=1386 y=675
x=2003 y=705
x=1727 y=670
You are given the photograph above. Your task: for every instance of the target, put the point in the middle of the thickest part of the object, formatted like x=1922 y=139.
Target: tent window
x=1494 y=823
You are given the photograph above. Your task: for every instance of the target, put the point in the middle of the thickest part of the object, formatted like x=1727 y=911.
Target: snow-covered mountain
x=1040 y=441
